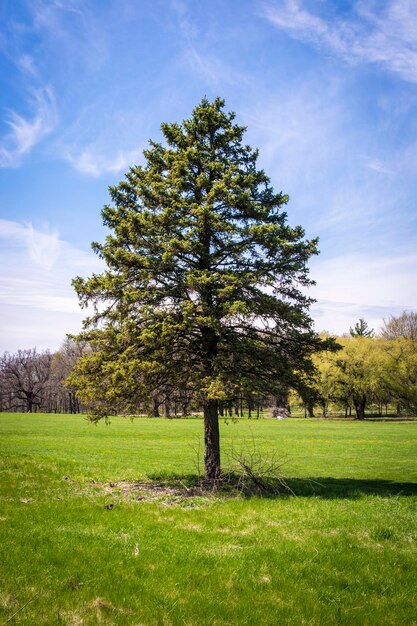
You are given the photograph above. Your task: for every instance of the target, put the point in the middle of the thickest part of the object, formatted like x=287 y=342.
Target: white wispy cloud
x=42 y=246
x=27 y=65
x=71 y=39
x=104 y=139
x=211 y=68
x=379 y=166
x=299 y=127
x=346 y=181
x=73 y=25
x=26 y=131
x=91 y=160
x=199 y=56
x=384 y=32
x=38 y=305
x=37 y=116
x=302 y=144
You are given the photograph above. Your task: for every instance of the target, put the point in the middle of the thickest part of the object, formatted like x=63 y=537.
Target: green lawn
x=341 y=551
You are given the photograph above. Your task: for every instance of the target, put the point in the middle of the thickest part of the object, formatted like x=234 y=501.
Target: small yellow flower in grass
x=266 y=580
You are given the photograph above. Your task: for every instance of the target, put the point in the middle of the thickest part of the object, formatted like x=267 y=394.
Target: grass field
x=81 y=546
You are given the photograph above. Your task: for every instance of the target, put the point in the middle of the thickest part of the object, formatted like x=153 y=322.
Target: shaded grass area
x=342 y=551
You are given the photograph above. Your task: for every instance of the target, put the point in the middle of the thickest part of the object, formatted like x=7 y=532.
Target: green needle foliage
x=203 y=292
x=361 y=329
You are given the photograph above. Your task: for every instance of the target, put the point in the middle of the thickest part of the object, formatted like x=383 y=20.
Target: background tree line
x=369 y=372
x=32 y=381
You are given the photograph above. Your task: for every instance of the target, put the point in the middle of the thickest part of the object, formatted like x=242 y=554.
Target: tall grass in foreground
x=79 y=548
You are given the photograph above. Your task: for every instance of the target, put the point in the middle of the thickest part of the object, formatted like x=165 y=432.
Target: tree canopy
x=24 y=377
x=405 y=325
x=204 y=292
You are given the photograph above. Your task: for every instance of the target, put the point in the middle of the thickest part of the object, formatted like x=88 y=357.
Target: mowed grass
x=342 y=550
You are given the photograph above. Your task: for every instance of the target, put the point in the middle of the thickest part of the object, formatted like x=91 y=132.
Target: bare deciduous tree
x=405 y=325
x=25 y=378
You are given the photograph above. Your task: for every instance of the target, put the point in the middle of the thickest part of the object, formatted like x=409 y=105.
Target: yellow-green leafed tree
x=400 y=372
x=359 y=367
x=327 y=385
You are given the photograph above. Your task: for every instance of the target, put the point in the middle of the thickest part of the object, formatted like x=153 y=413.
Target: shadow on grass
x=327 y=487
x=278 y=487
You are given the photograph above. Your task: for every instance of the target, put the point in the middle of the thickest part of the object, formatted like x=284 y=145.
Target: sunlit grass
x=342 y=551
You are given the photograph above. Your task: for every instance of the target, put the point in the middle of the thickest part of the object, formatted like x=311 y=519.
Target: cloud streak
x=42 y=246
x=37 y=302
x=198 y=56
x=25 y=132
x=92 y=162
x=384 y=33
x=348 y=183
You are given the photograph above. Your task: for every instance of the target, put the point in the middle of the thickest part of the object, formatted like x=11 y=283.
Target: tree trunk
x=360 y=409
x=155 y=408
x=211 y=441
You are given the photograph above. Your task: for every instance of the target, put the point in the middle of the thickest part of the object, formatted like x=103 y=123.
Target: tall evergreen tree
x=203 y=291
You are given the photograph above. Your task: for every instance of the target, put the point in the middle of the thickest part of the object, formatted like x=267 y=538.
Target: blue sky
x=328 y=91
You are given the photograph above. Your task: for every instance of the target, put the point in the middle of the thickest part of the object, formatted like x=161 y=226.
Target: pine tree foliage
x=361 y=329
x=204 y=288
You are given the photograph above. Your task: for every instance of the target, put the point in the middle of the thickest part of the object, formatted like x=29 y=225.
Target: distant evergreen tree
x=361 y=329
